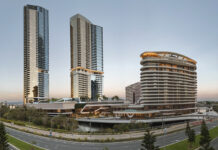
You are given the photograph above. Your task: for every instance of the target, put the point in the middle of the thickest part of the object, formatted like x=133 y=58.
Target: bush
x=3 y=110
x=109 y=130
x=215 y=108
x=5 y=120
x=79 y=106
x=62 y=122
x=46 y=121
x=126 y=127
x=38 y=117
x=19 y=123
x=37 y=121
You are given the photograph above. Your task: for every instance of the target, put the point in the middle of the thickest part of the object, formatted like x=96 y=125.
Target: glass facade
x=36 y=54
x=97 y=61
x=86 y=58
x=97 y=48
x=80 y=39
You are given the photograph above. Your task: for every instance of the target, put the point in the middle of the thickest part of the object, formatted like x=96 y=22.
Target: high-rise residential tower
x=36 y=53
x=97 y=61
x=86 y=58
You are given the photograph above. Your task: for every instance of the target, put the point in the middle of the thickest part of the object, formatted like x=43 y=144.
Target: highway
x=56 y=144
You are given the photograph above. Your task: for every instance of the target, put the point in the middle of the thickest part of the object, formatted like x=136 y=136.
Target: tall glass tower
x=36 y=54
x=86 y=58
x=97 y=61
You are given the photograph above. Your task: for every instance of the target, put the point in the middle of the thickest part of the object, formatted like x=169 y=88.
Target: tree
x=205 y=138
x=4 y=109
x=84 y=98
x=215 y=108
x=98 y=96
x=148 y=141
x=191 y=137
x=54 y=99
x=105 y=97
x=3 y=138
x=115 y=98
x=187 y=129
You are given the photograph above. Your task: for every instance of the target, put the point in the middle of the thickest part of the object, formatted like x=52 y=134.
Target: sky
x=188 y=27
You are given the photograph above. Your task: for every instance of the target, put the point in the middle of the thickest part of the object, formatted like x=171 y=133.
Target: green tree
x=98 y=96
x=115 y=98
x=205 y=138
x=84 y=98
x=3 y=138
x=54 y=99
x=3 y=110
x=191 y=137
x=215 y=108
x=148 y=141
x=105 y=97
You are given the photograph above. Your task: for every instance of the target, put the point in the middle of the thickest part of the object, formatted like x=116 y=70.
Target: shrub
x=108 y=130
x=19 y=123
x=37 y=121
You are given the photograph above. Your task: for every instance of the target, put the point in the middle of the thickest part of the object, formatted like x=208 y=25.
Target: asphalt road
x=214 y=143
x=55 y=144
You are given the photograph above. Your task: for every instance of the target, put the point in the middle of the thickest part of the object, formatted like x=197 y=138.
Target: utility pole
x=90 y=126
x=51 y=128
x=0 y=111
x=163 y=130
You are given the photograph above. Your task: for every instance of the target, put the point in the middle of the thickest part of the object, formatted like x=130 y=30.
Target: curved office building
x=168 y=83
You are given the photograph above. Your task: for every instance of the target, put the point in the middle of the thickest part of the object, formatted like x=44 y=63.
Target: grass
x=183 y=145
x=21 y=145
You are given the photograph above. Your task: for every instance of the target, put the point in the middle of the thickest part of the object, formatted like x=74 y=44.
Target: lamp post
x=51 y=127
x=0 y=111
x=163 y=130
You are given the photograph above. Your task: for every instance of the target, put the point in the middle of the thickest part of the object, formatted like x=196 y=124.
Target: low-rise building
x=53 y=109
x=133 y=92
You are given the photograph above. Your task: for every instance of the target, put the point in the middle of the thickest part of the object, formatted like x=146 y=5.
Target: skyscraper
x=36 y=53
x=86 y=58
x=97 y=61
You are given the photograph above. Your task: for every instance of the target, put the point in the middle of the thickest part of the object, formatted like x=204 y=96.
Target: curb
x=12 y=147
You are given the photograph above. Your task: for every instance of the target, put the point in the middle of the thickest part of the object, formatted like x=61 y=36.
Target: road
x=56 y=144
x=214 y=143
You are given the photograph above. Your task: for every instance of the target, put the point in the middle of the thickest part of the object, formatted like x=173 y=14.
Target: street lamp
x=51 y=127
x=0 y=111
x=163 y=130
